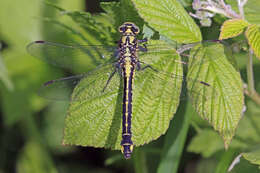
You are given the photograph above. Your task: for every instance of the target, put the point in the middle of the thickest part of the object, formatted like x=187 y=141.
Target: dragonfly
x=123 y=61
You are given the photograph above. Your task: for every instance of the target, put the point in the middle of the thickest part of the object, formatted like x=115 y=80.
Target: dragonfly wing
x=152 y=61
x=188 y=87
x=70 y=56
x=83 y=87
x=160 y=47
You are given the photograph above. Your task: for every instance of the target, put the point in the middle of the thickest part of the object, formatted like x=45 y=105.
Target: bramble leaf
x=222 y=103
x=170 y=19
x=96 y=121
x=253 y=156
x=206 y=142
x=232 y=28
x=253 y=37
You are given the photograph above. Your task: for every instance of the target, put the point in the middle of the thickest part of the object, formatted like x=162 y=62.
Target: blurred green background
x=31 y=127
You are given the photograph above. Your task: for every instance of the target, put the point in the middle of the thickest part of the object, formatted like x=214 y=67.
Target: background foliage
x=33 y=127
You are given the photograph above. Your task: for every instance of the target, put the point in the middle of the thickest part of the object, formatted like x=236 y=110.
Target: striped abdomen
x=126 y=143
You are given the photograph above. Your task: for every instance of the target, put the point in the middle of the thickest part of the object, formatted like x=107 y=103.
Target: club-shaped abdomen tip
x=127 y=150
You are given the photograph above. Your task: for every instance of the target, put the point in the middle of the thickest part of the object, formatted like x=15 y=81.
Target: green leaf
x=246 y=139
x=170 y=19
x=96 y=121
x=244 y=166
x=4 y=75
x=185 y=3
x=253 y=156
x=225 y=161
x=89 y=29
x=119 y=14
x=222 y=103
x=232 y=28
x=33 y=159
x=206 y=142
x=251 y=10
x=175 y=139
x=253 y=37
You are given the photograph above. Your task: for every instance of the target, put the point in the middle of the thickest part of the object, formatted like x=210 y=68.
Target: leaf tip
x=227 y=141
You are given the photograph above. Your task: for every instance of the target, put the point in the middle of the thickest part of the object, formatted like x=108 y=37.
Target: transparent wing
x=84 y=87
x=79 y=56
x=70 y=56
x=161 y=48
x=157 y=63
x=177 y=82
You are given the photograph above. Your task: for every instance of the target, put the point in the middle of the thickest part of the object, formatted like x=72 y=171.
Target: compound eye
x=121 y=29
x=135 y=30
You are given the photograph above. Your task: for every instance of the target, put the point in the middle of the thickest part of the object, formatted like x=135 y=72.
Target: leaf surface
x=97 y=121
x=170 y=19
x=253 y=156
x=253 y=37
x=221 y=104
x=232 y=28
x=206 y=142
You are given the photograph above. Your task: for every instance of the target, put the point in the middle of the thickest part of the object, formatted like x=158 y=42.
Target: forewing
x=154 y=65
x=161 y=47
x=71 y=56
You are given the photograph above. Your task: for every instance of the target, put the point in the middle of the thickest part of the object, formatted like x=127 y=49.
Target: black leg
x=142 y=48
x=145 y=67
x=116 y=54
x=109 y=79
x=143 y=40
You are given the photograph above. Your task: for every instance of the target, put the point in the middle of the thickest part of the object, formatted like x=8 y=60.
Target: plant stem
x=250 y=74
x=250 y=90
x=241 y=4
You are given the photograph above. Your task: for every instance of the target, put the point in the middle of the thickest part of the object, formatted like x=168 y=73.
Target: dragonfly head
x=127 y=150
x=128 y=28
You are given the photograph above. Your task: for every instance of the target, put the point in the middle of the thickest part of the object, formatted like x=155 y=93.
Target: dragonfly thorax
x=128 y=50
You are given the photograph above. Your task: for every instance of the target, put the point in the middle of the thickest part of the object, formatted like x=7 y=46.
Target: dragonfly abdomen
x=126 y=143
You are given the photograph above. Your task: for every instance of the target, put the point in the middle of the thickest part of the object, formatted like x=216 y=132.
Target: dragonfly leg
x=116 y=53
x=145 y=67
x=143 y=48
x=143 y=40
x=109 y=79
